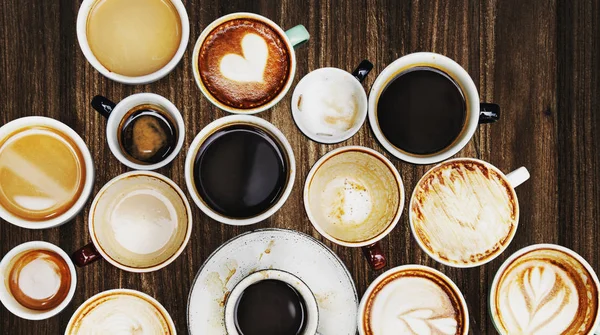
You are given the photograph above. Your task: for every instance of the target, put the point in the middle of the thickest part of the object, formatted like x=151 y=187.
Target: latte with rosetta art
x=545 y=292
x=244 y=63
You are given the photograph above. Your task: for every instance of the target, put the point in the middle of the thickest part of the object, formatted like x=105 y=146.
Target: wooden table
x=539 y=60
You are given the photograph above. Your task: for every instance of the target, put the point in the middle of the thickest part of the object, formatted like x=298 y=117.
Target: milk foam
x=346 y=201
x=251 y=66
x=39 y=279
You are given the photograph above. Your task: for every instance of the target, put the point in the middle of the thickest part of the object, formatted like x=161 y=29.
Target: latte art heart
x=250 y=67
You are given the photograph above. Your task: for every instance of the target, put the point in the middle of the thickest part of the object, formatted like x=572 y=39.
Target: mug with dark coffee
x=424 y=108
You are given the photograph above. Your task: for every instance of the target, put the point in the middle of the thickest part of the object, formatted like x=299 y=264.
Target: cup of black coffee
x=240 y=169
x=424 y=108
x=271 y=302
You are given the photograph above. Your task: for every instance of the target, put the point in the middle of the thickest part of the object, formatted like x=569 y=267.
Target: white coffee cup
x=310 y=302
x=476 y=113
x=115 y=113
x=32 y=121
x=82 y=18
x=7 y=298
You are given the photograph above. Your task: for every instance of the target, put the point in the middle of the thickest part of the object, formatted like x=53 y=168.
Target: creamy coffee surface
x=244 y=63
x=464 y=212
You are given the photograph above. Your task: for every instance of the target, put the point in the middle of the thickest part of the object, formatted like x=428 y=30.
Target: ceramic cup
x=329 y=105
x=17 y=125
x=115 y=114
x=7 y=298
x=476 y=112
x=310 y=302
x=82 y=20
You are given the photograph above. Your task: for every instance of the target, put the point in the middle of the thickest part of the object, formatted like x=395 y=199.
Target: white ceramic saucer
x=294 y=252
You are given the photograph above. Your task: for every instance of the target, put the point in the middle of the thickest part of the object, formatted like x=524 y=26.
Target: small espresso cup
x=306 y=299
x=253 y=75
x=240 y=169
x=329 y=105
x=46 y=172
x=464 y=212
x=460 y=90
x=545 y=289
x=413 y=299
x=83 y=19
x=354 y=197
x=38 y=280
x=144 y=131
x=140 y=221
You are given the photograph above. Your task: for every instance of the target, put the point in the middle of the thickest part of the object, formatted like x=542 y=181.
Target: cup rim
x=452 y=69
x=82 y=17
x=32 y=121
x=406 y=267
x=138 y=173
x=472 y=264
x=122 y=291
x=360 y=120
x=198 y=78
x=209 y=130
x=22 y=311
x=540 y=246
x=113 y=122
x=377 y=155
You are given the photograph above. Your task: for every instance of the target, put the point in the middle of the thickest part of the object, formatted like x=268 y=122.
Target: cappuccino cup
x=413 y=299
x=354 y=197
x=545 y=289
x=38 y=280
x=245 y=63
x=140 y=221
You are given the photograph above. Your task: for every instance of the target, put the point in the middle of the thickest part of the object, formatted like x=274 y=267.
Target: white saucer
x=294 y=252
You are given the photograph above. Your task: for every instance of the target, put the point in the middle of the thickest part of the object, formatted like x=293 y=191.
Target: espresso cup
x=140 y=221
x=271 y=295
x=413 y=299
x=240 y=169
x=464 y=212
x=120 y=311
x=545 y=289
x=144 y=131
x=46 y=172
x=329 y=105
x=133 y=49
x=424 y=108
x=354 y=197
x=245 y=63
x=38 y=280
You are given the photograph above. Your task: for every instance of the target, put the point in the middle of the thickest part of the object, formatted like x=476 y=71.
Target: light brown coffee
x=42 y=173
x=134 y=37
x=244 y=63
x=39 y=279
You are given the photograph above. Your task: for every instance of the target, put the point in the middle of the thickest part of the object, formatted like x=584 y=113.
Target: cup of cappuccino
x=464 y=212
x=413 y=299
x=545 y=289
x=38 y=280
x=245 y=63
x=139 y=221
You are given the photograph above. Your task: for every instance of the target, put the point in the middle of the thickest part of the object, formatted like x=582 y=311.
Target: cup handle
x=488 y=113
x=518 y=176
x=298 y=35
x=374 y=256
x=362 y=70
x=86 y=255
x=102 y=105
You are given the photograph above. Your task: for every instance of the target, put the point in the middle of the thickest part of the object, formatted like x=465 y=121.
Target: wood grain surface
x=539 y=60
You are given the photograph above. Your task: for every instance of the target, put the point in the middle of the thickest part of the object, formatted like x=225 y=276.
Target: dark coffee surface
x=270 y=307
x=422 y=111
x=240 y=171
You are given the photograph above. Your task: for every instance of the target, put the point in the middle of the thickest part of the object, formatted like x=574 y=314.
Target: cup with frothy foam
x=38 y=280
x=245 y=63
x=140 y=221
x=413 y=299
x=121 y=311
x=545 y=289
